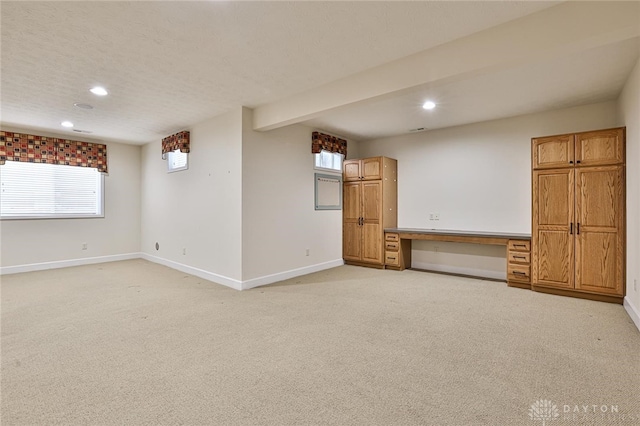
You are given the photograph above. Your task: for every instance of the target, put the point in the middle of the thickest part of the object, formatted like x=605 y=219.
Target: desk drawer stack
x=397 y=252
x=519 y=263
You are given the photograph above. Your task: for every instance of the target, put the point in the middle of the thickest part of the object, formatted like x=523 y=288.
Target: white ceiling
x=590 y=76
x=169 y=65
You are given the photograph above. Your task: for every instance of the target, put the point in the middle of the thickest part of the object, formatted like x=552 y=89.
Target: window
x=177 y=160
x=328 y=161
x=37 y=190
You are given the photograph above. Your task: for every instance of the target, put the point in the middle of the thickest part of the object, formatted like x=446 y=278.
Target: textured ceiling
x=169 y=65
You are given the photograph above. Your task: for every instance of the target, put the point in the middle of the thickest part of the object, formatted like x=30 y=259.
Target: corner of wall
x=633 y=311
x=628 y=109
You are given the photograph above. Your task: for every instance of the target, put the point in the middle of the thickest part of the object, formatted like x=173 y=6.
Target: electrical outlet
x=436 y=249
x=85 y=246
x=307 y=252
x=184 y=251
x=431 y=215
x=436 y=216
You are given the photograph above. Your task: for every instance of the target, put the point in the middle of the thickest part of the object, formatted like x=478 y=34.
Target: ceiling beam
x=565 y=29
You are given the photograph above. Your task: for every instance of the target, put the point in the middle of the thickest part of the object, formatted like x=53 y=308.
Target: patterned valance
x=41 y=149
x=322 y=142
x=178 y=141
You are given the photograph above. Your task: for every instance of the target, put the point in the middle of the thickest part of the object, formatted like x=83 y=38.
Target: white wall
x=27 y=244
x=478 y=178
x=629 y=116
x=279 y=221
x=199 y=209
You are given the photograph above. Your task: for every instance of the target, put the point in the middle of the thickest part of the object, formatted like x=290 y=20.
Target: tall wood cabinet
x=369 y=206
x=578 y=224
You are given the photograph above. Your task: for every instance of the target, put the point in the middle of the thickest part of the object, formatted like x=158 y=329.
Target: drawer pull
x=518 y=273
x=519 y=257
x=520 y=245
x=391 y=258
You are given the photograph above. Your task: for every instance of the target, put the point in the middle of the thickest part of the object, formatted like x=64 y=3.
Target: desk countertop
x=451 y=232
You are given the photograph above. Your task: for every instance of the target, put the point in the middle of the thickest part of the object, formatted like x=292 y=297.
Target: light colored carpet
x=135 y=343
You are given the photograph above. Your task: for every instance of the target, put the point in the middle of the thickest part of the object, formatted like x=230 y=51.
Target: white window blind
x=326 y=160
x=37 y=190
x=177 y=160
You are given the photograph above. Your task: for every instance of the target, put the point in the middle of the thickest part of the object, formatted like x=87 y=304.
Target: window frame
x=48 y=216
x=316 y=156
x=169 y=161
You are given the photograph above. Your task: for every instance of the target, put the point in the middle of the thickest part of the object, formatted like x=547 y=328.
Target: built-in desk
x=398 y=248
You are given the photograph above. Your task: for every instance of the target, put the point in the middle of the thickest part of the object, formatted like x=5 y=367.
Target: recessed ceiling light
x=100 y=91
x=429 y=105
x=82 y=106
x=66 y=124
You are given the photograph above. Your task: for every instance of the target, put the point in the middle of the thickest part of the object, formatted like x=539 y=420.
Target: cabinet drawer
x=391 y=237
x=391 y=258
x=519 y=245
x=519 y=257
x=392 y=245
x=518 y=272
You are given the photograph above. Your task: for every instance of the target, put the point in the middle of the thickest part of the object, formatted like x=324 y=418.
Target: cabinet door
x=372 y=226
x=552 y=234
x=351 y=229
x=600 y=148
x=351 y=170
x=372 y=168
x=600 y=230
x=552 y=152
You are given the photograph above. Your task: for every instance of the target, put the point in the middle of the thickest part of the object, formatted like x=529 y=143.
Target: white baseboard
x=6 y=270
x=210 y=276
x=495 y=275
x=280 y=276
x=216 y=278
x=633 y=311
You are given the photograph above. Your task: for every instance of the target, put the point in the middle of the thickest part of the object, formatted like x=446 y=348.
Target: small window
x=177 y=160
x=50 y=191
x=331 y=161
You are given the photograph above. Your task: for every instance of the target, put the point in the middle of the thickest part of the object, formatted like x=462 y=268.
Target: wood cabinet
x=369 y=206
x=578 y=224
x=597 y=148
x=397 y=252
x=363 y=169
x=518 y=263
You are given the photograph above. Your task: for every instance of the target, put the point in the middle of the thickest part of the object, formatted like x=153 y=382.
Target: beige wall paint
x=478 y=178
x=279 y=221
x=199 y=209
x=28 y=242
x=629 y=116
